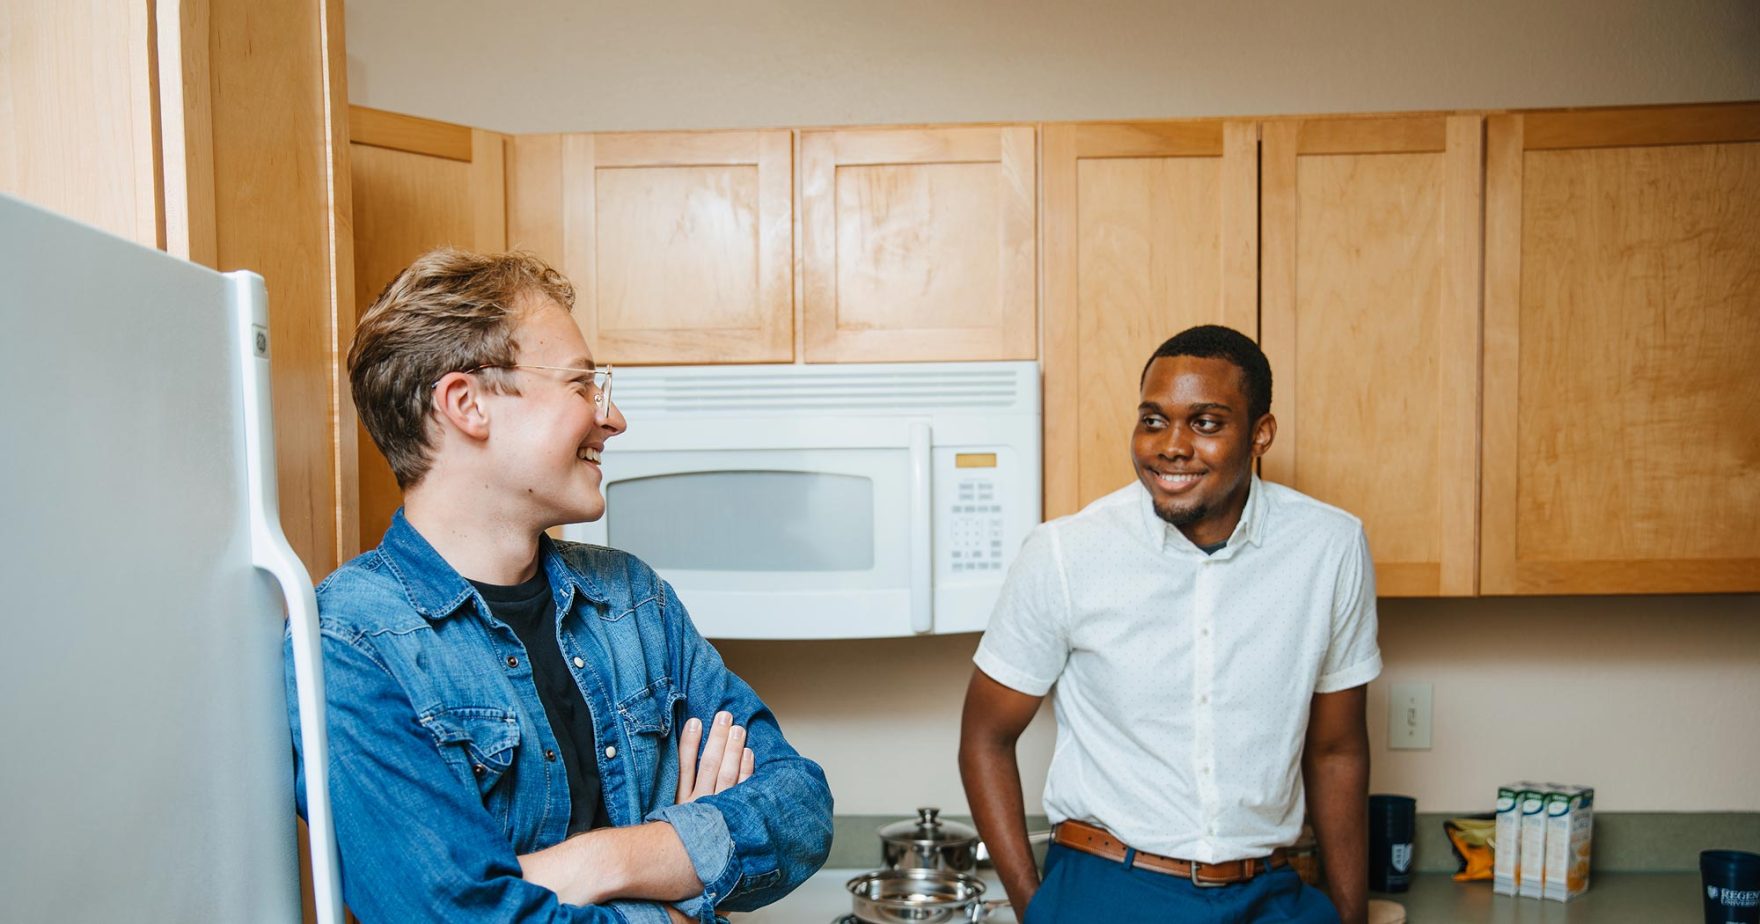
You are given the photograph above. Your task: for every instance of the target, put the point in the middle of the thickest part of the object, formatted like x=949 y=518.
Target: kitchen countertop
x=823 y=899
x=1613 y=898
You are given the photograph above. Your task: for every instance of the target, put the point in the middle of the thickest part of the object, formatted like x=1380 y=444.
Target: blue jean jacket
x=442 y=767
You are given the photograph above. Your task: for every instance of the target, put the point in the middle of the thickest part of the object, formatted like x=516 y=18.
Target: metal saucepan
x=932 y=842
x=929 y=842
x=919 y=896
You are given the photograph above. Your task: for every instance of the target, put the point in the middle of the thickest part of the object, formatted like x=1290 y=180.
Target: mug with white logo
x=1732 y=886
x=1392 y=828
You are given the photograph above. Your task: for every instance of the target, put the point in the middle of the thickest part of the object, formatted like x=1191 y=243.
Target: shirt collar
x=436 y=590
x=1249 y=530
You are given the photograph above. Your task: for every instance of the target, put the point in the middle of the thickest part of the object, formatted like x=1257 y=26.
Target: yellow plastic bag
x=1472 y=839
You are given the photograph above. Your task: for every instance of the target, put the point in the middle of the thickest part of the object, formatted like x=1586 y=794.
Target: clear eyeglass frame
x=599 y=389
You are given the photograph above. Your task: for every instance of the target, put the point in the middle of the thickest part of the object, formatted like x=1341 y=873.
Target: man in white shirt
x=1209 y=636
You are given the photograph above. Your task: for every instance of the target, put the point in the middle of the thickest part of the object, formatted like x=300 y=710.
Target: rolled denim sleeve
x=755 y=842
x=416 y=844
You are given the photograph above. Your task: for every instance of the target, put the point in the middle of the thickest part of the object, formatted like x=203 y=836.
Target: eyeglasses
x=598 y=383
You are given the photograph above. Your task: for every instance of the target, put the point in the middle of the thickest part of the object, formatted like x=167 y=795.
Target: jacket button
x=610 y=750
x=479 y=769
x=549 y=754
x=512 y=661
x=580 y=662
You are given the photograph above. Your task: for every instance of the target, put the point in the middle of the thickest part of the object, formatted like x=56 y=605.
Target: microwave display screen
x=744 y=521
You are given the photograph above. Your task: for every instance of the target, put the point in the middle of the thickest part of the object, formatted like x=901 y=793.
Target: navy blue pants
x=1080 y=888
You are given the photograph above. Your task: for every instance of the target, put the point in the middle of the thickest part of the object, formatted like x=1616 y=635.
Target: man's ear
x=457 y=401
x=1264 y=432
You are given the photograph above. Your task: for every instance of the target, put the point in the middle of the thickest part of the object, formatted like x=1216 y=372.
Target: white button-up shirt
x=1184 y=679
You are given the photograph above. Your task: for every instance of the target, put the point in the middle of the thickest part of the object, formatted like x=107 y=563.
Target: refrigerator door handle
x=271 y=552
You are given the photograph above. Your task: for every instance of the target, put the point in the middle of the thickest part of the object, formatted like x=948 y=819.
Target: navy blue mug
x=1732 y=886
x=1392 y=826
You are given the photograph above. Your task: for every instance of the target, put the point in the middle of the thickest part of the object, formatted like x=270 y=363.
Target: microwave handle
x=922 y=552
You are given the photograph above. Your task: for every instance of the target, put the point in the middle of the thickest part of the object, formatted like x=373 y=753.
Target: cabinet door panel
x=915 y=243
x=679 y=245
x=676 y=248
x=918 y=244
x=1150 y=228
x=416 y=185
x=1622 y=450
x=1371 y=314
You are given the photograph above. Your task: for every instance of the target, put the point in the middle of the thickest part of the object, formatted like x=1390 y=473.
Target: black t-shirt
x=528 y=610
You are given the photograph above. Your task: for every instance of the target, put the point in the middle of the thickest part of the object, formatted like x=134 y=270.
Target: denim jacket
x=442 y=763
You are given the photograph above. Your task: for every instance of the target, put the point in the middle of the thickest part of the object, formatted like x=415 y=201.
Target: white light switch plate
x=1408 y=716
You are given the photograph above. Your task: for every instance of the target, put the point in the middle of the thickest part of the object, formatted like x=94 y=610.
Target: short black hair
x=1213 y=341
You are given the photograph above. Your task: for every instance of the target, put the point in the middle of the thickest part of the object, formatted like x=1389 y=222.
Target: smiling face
x=1194 y=444
x=547 y=439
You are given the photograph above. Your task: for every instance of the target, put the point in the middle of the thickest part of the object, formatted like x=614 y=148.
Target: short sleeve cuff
x=703 y=831
x=1354 y=676
x=1007 y=675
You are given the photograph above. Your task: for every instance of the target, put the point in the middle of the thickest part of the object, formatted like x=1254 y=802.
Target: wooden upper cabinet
x=918 y=244
x=680 y=244
x=417 y=184
x=420 y=184
x=1370 y=317
x=1622 y=322
x=1150 y=228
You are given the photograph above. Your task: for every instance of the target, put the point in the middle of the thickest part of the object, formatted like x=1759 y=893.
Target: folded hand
x=725 y=761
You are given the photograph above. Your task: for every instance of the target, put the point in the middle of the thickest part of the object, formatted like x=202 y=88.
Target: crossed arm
x=646 y=861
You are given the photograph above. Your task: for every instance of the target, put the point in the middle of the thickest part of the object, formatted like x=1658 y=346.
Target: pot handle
x=982 y=854
x=981 y=910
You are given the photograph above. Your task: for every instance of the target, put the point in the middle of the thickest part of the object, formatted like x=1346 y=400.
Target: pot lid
x=930 y=829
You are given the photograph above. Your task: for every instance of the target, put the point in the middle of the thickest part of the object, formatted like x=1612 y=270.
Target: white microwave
x=825 y=501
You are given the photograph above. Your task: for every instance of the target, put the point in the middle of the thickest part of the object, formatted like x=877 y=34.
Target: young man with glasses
x=514 y=721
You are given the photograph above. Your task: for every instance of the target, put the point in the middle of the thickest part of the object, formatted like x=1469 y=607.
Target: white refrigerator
x=145 y=760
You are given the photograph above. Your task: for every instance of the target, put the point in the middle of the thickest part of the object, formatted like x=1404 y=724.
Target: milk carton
x=1570 y=825
x=1531 y=868
x=1506 y=861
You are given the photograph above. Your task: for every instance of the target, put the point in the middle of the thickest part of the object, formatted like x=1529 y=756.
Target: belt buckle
x=1192 y=873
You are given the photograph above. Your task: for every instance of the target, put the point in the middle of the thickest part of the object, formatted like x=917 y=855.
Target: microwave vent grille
x=818 y=389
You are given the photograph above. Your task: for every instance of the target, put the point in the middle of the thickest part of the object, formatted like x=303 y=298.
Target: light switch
x=1408 y=716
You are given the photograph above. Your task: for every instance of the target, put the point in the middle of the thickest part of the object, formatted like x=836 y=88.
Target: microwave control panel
x=976 y=522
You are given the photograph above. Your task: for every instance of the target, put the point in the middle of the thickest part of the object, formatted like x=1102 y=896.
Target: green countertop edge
x=1625 y=842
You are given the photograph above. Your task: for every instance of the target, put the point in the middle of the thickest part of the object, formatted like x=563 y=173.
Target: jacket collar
x=436 y=590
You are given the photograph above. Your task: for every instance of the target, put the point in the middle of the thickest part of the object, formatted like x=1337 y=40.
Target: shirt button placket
x=1204 y=677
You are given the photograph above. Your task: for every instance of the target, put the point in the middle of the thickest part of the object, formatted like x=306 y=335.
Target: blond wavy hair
x=449 y=311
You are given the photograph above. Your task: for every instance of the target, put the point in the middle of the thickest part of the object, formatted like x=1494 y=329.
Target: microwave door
x=813 y=529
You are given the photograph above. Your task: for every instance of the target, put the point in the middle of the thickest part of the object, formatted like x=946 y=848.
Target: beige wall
x=590 y=65
x=1650 y=699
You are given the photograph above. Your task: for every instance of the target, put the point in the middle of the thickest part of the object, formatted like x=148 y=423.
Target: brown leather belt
x=1077 y=835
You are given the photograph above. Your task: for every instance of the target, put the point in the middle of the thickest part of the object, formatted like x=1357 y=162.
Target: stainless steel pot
x=929 y=842
x=919 y=896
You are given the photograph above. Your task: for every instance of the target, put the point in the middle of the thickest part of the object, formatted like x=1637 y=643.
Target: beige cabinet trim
x=1601 y=128
x=1502 y=352
x=400 y=132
